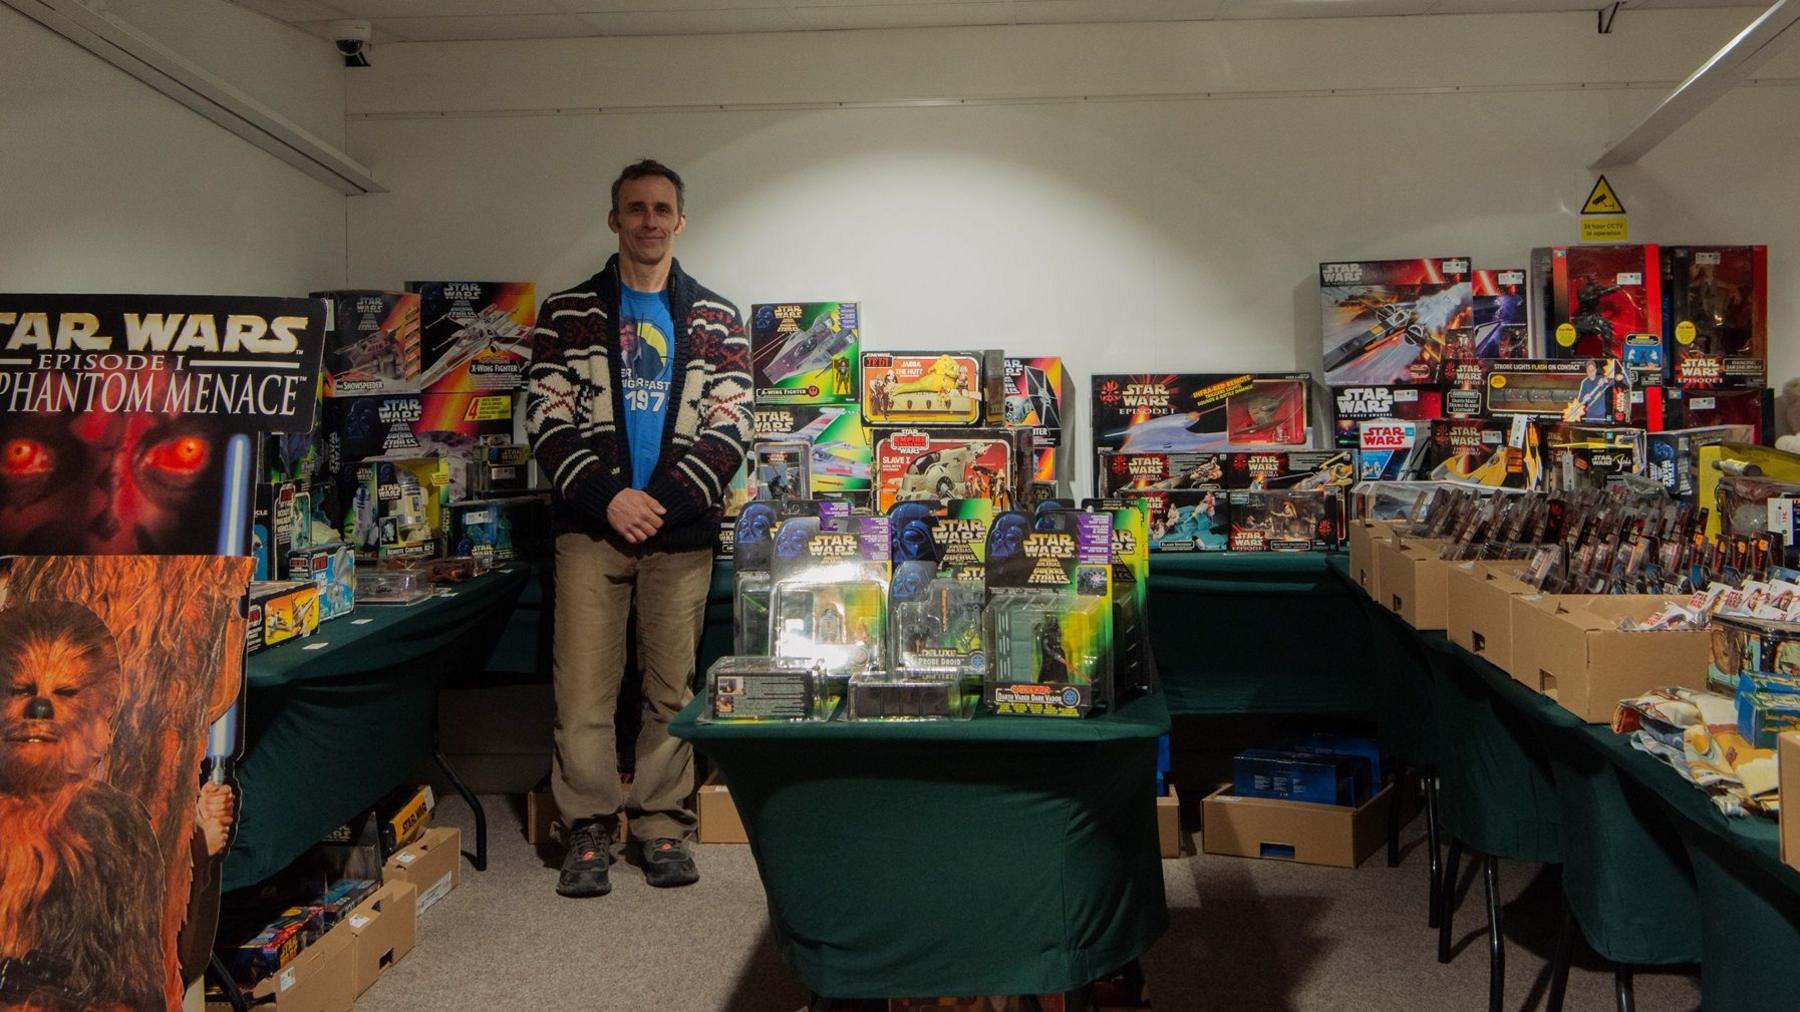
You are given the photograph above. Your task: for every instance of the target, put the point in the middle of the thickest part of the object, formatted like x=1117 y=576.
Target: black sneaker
x=585 y=863
x=668 y=863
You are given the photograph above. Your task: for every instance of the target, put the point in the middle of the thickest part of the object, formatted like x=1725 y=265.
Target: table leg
x=1393 y=826
x=1447 y=898
x=1490 y=872
x=215 y=968
x=1560 y=959
x=1622 y=987
x=1434 y=864
x=475 y=806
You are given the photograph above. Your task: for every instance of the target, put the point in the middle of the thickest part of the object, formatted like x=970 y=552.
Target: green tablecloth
x=335 y=721
x=1001 y=855
x=1258 y=633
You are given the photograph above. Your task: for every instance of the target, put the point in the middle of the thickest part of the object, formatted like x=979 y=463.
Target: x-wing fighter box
x=804 y=353
x=1036 y=391
x=1600 y=302
x=1716 y=315
x=474 y=336
x=1202 y=412
x=1354 y=405
x=987 y=464
x=1387 y=321
x=372 y=345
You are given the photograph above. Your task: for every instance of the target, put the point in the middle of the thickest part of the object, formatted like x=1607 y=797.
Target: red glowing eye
x=181 y=455
x=23 y=457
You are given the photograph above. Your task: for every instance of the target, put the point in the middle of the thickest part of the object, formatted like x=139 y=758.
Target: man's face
x=647 y=220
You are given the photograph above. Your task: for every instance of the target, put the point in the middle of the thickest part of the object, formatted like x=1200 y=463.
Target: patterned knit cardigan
x=574 y=409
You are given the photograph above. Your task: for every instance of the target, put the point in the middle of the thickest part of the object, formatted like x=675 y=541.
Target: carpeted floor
x=1243 y=935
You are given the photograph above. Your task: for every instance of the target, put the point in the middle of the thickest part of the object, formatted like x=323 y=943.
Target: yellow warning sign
x=1604 y=229
x=1602 y=199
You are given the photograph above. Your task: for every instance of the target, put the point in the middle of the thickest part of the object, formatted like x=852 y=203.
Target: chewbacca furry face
x=59 y=669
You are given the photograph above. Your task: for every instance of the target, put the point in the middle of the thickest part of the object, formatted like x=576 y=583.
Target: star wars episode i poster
x=115 y=667
x=128 y=422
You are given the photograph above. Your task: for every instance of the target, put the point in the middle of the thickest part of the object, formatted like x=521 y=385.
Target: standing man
x=638 y=410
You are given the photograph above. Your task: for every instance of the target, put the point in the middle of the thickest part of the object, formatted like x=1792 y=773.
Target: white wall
x=108 y=186
x=1164 y=228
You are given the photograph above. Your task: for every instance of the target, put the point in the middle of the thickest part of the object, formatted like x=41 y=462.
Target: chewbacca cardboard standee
x=113 y=667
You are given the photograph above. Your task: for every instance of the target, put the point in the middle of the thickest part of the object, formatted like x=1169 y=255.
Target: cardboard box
x=1334 y=835
x=1364 y=535
x=433 y=865
x=384 y=928
x=1787 y=758
x=1569 y=647
x=1168 y=824
x=542 y=815
x=719 y=822
x=1412 y=582
x=1479 y=608
x=321 y=979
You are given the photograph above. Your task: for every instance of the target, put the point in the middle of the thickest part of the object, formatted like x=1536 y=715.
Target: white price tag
x=320 y=645
x=361 y=621
x=287 y=979
x=358 y=922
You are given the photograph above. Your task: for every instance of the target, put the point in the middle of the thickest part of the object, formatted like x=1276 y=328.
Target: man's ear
x=612 y=220
x=680 y=222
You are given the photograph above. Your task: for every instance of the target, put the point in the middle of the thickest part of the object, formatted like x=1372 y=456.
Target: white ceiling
x=446 y=20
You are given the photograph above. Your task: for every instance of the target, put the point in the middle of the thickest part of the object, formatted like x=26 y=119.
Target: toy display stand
x=999 y=855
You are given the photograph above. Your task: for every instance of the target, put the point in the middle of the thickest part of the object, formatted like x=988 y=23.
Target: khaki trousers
x=597 y=589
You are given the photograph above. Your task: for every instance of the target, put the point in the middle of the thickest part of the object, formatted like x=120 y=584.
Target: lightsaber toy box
x=1716 y=315
x=372 y=345
x=1387 y=321
x=1592 y=300
x=1594 y=390
x=1287 y=520
x=1202 y=412
x=1581 y=457
x=933 y=388
x=1351 y=405
x=804 y=353
x=950 y=464
x=1498 y=452
x=1049 y=613
x=476 y=335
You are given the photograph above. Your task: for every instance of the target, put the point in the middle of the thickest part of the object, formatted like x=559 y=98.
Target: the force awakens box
x=1202 y=412
x=804 y=353
x=1351 y=405
x=372 y=345
x=1387 y=321
x=476 y=335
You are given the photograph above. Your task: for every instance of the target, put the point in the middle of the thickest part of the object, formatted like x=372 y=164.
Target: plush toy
x=1787 y=410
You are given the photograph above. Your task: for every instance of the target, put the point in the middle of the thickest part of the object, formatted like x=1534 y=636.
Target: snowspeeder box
x=475 y=335
x=373 y=344
x=804 y=353
x=1202 y=412
x=1387 y=321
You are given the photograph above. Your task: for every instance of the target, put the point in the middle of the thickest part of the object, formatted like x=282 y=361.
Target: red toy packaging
x=1354 y=405
x=1593 y=301
x=1716 y=315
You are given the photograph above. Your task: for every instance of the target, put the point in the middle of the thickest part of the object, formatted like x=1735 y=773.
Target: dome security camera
x=353 y=39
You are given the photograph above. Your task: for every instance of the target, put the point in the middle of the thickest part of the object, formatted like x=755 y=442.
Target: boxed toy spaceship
x=804 y=353
x=1716 y=315
x=933 y=388
x=1287 y=520
x=401 y=509
x=1036 y=393
x=778 y=469
x=1387 y=321
x=459 y=426
x=333 y=568
x=281 y=610
x=280 y=522
x=1596 y=390
x=1049 y=613
x=840 y=452
x=1351 y=405
x=498 y=470
x=950 y=464
x=500 y=530
x=1290 y=469
x=1187 y=520
x=1674 y=454
x=372 y=346
x=1500 y=452
x=1124 y=473
x=1202 y=412
x=1385 y=446
x=1500 y=326
x=474 y=336
x=1591 y=301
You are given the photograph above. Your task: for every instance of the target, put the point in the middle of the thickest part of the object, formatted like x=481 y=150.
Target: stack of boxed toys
x=931 y=610
x=1225 y=461
x=418 y=457
x=1315 y=799
x=324 y=930
x=837 y=422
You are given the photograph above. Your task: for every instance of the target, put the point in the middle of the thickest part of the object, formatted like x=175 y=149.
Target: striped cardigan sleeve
x=697 y=481
x=555 y=387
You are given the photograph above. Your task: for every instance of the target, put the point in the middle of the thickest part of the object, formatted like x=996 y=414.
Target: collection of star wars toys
x=1246 y=501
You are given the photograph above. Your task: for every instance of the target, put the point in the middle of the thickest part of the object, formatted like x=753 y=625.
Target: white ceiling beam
x=1718 y=75
x=119 y=44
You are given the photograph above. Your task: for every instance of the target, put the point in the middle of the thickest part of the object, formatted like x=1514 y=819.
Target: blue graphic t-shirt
x=645 y=346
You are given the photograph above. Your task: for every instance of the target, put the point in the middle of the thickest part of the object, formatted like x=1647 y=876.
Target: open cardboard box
x=1570 y=647
x=1787 y=768
x=719 y=821
x=1478 y=604
x=1363 y=536
x=322 y=978
x=433 y=865
x=1335 y=835
x=1411 y=580
x=541 y=814
x=385 y=926
x=1168 y=824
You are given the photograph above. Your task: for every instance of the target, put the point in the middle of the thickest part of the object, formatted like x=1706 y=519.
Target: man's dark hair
x=650 y=167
